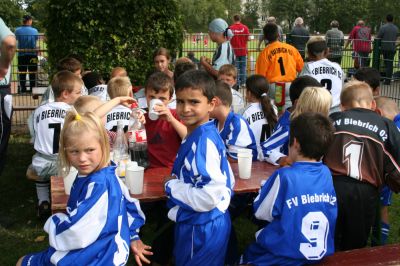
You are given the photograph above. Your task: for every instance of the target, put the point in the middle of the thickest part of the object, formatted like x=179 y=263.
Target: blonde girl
x=101 y=219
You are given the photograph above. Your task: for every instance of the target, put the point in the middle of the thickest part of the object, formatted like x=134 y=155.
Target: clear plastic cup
x=244 y=163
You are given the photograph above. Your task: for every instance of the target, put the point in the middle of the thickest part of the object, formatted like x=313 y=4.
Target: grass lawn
x=21 y=232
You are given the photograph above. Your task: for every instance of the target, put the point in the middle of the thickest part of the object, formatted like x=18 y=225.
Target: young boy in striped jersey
x=200 y=192
x=233 y=128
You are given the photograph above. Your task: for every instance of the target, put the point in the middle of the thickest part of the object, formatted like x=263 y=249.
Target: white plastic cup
x=69 y=180
x=245 y=151
x=134 y=177
x=244 y=163
x=153 y=115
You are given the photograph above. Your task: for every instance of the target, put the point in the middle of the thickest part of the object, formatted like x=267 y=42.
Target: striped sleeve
x=208 y=186
x=240 y=136
x=81 y=226
x=272 y=148
x=265 y=201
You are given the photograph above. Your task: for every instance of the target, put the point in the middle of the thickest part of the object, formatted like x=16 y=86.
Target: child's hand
x=206 y=60
x=140 y=117
x=284 y=161
x=139 y=250
x=126 y=100
x=164 y=112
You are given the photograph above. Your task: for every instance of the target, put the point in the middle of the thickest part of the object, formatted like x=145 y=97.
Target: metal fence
x=194 y=46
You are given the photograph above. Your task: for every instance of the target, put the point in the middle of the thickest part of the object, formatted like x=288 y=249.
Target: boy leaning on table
x=298 y=202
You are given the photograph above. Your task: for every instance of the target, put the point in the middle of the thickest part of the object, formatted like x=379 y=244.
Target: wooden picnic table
x=153 y=184
x=382 y=255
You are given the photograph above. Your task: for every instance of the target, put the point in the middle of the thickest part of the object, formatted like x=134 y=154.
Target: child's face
x=71 y=97
x=230 y=80
x=161 y=63
x=161 y=95
x=84 y=152
x=78 y=73
x=193 y=107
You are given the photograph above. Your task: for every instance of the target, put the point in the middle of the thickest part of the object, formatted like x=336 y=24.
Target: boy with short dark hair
x=48 y=120
x=164 y=135
x=371 y=76
x=200 y=193
x=233 y=128
x=363 y=156
x=96 y=86
x=299 y=201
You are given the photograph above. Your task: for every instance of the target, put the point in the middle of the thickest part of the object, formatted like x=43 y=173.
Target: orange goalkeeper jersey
x=279 y=62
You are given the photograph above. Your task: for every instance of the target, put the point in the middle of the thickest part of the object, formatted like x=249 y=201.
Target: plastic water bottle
x=120 y=150
x=137 y=139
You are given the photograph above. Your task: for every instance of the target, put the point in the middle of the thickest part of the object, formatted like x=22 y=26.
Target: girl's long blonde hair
x=75 y=124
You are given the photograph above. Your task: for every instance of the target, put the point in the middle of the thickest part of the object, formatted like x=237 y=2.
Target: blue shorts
x=203 y=244
x=40 y=258
x=386 y=196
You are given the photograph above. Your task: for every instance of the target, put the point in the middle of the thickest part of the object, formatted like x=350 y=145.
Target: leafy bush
x=105 y=34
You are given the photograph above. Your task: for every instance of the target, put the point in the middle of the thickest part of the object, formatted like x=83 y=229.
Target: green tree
x=106 y=33
x=37 y=8
x=197 y=14
x=11 y=12
x=251 y=9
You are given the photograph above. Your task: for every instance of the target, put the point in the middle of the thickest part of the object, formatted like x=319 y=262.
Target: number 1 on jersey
x=281 y=66
x=352 y=154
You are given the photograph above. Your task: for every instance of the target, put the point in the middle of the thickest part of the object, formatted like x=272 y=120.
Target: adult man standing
x=27 y=55
x=388 y=34
x=299 y=36
x=360 y=35
x=7 y=51
x=335 y=40
x=279 y=63
x=239 y=44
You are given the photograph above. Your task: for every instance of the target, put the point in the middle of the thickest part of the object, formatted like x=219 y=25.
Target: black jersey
x=365 y=147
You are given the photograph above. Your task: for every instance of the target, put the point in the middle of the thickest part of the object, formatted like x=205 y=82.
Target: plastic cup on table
x=69 y=180
x=134 y=177
x=153 y=115
x=245 y=159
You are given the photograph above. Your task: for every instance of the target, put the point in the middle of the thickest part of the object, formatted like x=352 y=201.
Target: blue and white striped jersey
x=299 y=202
x=204 y=180
x=100 y=223
x=237 y=134
x=277 y=145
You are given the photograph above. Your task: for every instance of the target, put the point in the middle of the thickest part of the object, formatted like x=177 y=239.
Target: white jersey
x=330 y=75
x=237 y=100
x=258 y=123
x=100 y=91
x=118 y=113
x=48 y=120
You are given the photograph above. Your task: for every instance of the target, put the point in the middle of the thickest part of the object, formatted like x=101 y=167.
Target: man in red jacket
x=239 y=44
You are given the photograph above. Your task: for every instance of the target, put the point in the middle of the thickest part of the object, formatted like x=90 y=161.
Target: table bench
x=153 y=184
x=382 y=255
